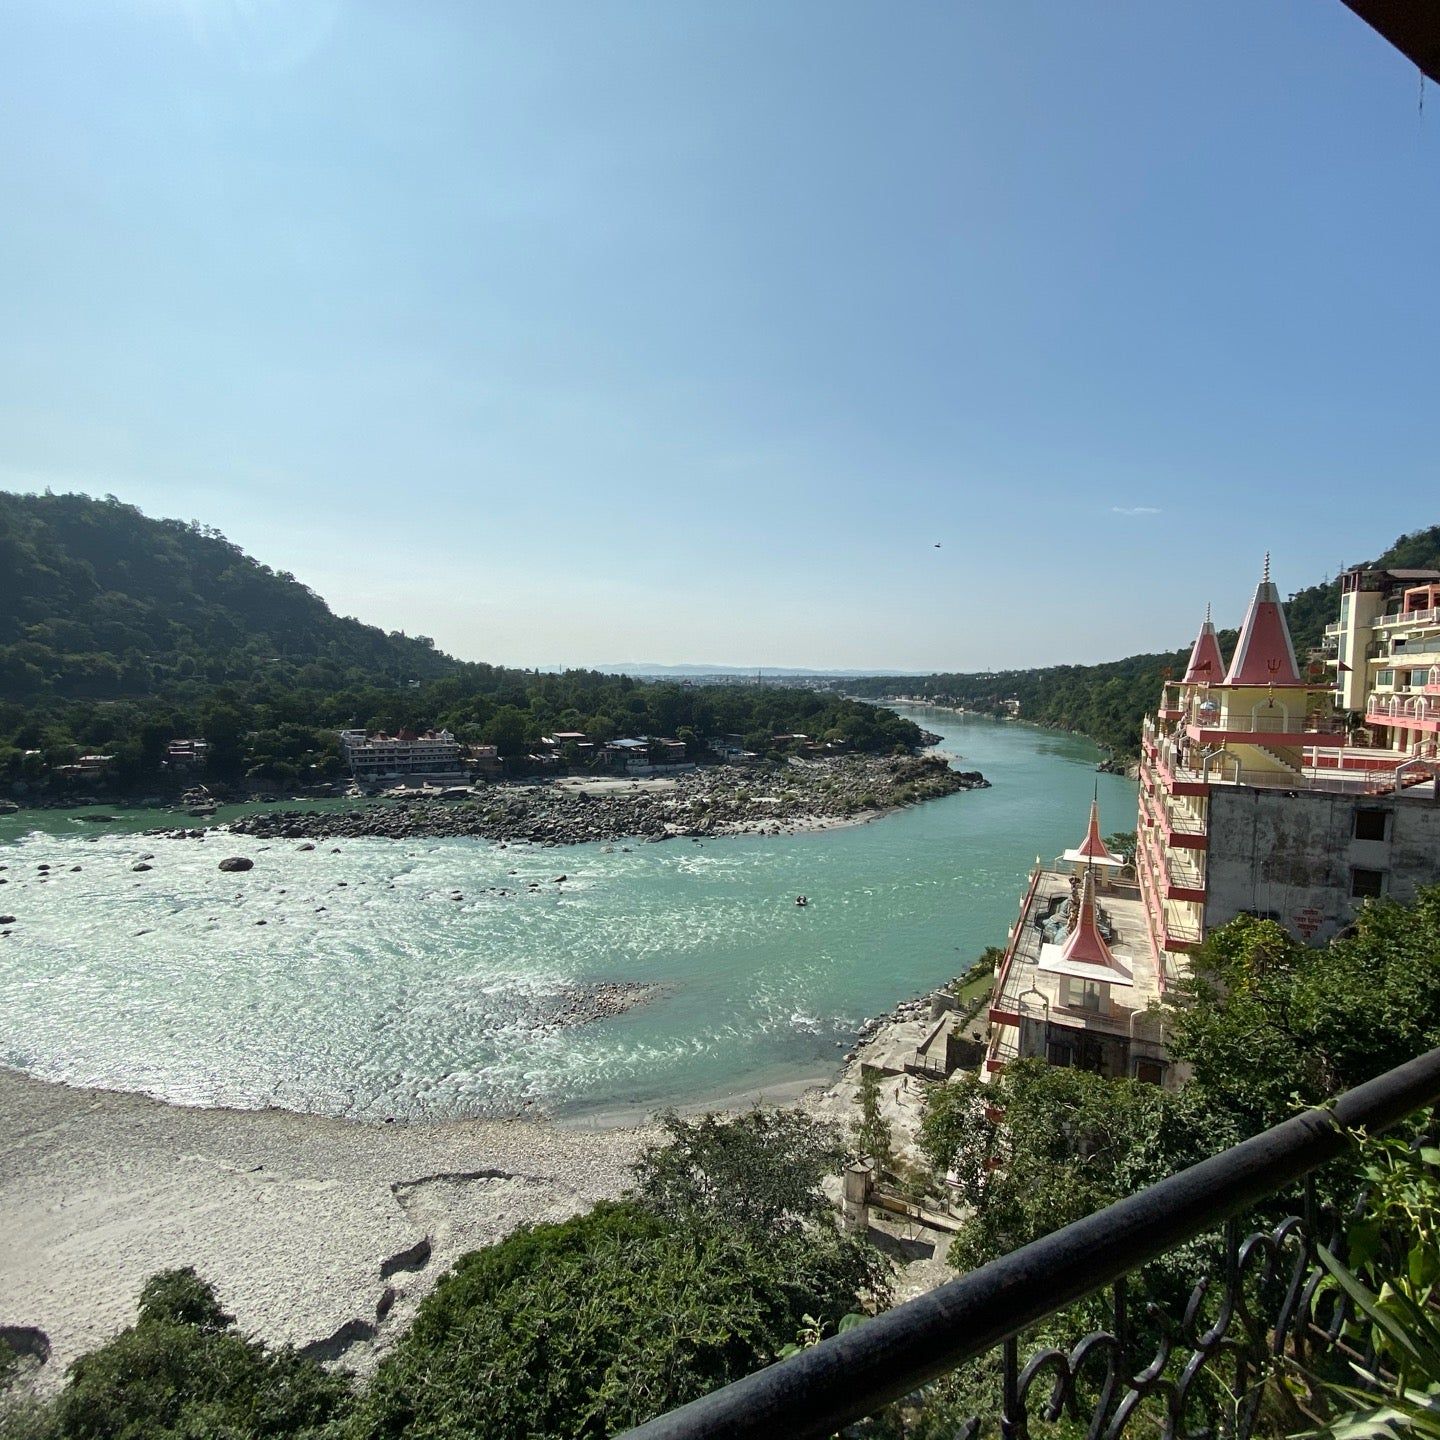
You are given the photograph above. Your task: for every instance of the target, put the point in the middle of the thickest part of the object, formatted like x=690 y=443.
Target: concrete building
x=1078 y=980
x=1256 y=797
x=1385 y=649
x=435 y=756
x=186 y=754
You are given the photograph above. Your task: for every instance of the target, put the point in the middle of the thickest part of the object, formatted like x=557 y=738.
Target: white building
x=435 y=755
x=1386 y=651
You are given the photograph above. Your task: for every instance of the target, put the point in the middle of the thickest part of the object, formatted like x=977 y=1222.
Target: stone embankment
x=718 y=800
x=903 y=1014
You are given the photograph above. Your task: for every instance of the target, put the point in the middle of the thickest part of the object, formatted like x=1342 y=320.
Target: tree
x=181 y=1371
x=506 y=729
x=1267 y=1023
x=872 y=1136
x=760 y=1171
x=586 y=1328
x=1041 y=1146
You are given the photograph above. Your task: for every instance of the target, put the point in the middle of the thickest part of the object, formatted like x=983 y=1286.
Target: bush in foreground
x=183 y=1371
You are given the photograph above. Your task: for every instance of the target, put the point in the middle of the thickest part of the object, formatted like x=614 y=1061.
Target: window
x=1084 y=994
x=1367 y=884
x=1370 y=824
x=1385 y=677
x=1151 y=1072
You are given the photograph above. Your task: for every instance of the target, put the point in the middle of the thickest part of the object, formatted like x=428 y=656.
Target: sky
x=586 y=333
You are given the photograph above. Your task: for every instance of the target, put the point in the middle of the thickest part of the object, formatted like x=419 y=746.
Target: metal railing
x=1100 y=1382
x=1413 y=617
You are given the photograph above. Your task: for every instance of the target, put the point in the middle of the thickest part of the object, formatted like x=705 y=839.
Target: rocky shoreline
x=716 y=800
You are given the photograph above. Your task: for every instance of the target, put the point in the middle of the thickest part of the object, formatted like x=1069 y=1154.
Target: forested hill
x=119 y=633
x=101 y=601
x=1108 y=701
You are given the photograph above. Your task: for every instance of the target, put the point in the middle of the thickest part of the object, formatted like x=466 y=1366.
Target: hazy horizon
x=958 y=337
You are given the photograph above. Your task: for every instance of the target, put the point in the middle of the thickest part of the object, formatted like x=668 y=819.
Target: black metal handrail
x=842 y=1379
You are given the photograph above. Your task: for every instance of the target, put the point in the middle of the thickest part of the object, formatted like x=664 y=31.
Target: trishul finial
x=1265 y=579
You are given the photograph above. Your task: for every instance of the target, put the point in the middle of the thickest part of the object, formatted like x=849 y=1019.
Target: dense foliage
x=725 y=1258
x=1108 y=701
x=586 y=1328
x=1271 y=1023
x=760 y=1170
x=119 y=633
x=1067 y=1142
x=183 y=1371
x=103 y=603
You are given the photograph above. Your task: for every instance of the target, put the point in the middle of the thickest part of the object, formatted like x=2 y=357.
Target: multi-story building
x=1385 y=648
x=186 y=754
x=1256 y=796
x=435 y=755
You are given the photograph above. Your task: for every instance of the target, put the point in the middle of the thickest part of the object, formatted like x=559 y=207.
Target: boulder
x=142 y=866
x=237 y=862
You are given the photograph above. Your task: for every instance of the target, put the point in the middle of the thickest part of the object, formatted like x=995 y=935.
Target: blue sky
x=578 y=332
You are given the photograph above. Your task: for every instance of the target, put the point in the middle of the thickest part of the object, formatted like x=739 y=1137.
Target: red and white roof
x=1092 y=849
x=1085 y=955
x=1207 y=664
x=1264 y=654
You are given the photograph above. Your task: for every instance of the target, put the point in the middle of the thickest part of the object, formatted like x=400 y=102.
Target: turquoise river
x=369 y=991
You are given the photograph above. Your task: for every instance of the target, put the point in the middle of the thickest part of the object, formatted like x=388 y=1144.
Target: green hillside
x=119 y=633
x=102 y=602
x=1108 y=701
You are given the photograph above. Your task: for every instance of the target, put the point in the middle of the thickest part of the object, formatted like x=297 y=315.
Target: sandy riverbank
x=322 y=1232
x=303 y=1223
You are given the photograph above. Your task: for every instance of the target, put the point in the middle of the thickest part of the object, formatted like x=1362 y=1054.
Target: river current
x=369 y=991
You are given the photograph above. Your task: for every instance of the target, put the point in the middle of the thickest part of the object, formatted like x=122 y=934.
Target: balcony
x=1173 y=875
x=1415 y=712
x=827 y=1387
x=1274 y=727
x=1414 y=617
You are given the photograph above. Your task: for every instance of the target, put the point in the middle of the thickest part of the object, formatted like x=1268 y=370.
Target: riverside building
x=1385 y=649
x=1078 y=980
x=435 y=755
x=1260 y=793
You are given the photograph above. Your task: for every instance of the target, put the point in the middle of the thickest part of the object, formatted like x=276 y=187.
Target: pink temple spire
x=1093 y=847
x=1207 y=664
x=1086 y=944
x=1264 y=653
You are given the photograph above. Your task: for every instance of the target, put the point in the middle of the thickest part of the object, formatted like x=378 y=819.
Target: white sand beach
x=302 y=1222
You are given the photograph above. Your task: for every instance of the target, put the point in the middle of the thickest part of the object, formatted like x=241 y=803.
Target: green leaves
x=1266 y=1019
x=585 y=1328
x=758 y=1171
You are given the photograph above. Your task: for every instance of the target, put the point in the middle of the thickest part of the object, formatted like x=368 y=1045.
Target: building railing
x=1403 y=707
x=1227 y=1340
x=1415 y=617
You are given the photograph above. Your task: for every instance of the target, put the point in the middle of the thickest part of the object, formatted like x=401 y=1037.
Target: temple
x=1267 y=787
x=1077 y=982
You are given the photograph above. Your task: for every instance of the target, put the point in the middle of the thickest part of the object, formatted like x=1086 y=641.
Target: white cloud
x=1135 y=510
